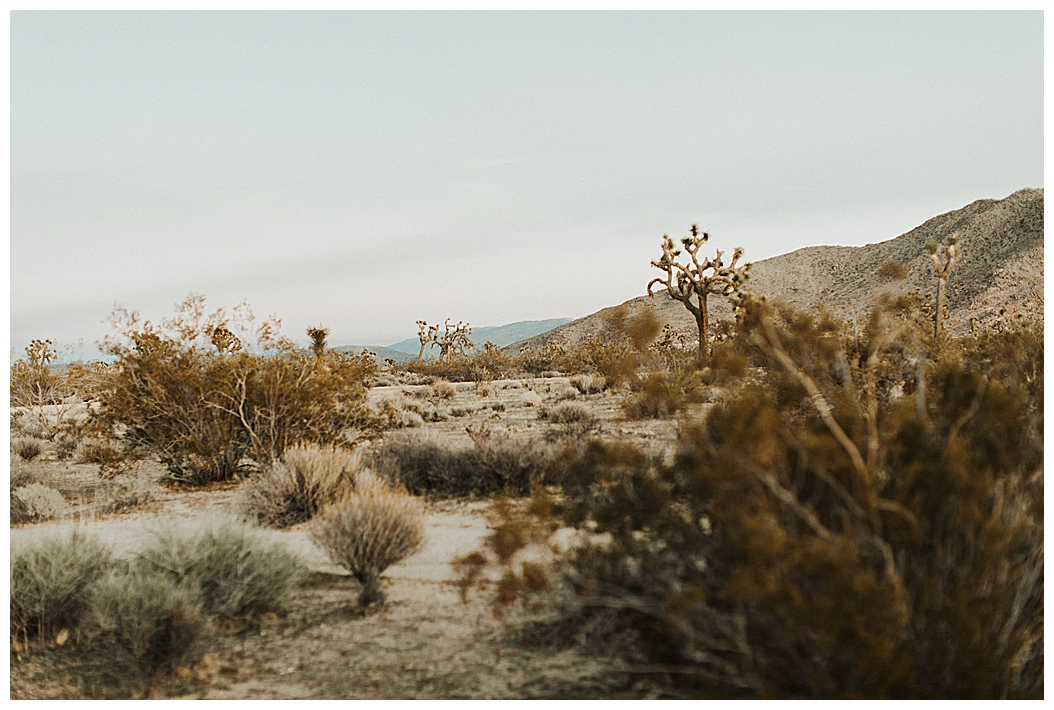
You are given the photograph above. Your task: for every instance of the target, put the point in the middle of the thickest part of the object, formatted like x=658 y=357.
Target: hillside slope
x=1000 y=267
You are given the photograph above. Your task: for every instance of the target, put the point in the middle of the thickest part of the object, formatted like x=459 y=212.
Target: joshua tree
x=942 y=276
x=686 y=282
x=318 y=335
x=451 y=342
x=427 y=334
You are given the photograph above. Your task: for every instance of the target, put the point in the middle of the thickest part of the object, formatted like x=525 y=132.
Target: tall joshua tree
x=690 y=284
x=942 y=270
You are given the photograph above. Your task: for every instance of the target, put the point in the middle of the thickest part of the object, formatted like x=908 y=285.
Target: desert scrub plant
x=157 y=623
x=293 y=489
x=492 y=463
x=806 y=542
x=26 y=448
x=50 y=578
x=208 y=403
x=369 y=530
x=123 y=493
x=685 y=282
x=942 y=270
x=36 y=503
x=232 y=568
x=588 y=384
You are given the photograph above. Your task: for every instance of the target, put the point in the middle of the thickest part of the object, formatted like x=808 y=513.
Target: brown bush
x=827 y=531
x=369 y=530
x=188 y=393
x=293 y=489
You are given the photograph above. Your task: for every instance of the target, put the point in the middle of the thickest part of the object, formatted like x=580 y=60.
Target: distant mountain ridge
x=1000 y=269
x=500 y=335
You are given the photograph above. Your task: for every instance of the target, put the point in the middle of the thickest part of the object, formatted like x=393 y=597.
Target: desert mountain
x=501 y=335
x=999 y=273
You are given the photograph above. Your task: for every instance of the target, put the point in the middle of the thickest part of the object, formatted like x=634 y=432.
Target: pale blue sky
x=365 y=170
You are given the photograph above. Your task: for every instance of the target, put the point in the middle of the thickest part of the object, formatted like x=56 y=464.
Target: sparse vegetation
x=189 y=393
x=293 y=489
x=493 y=463
x=50 y=579
x=834 y=529
x=26 y=448
x=35 y=503
x=230 y=567
x=369 y=530
x=158 y=623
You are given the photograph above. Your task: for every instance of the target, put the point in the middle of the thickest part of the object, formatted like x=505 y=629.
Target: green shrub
x=35 y=503
x=50 y=577
x=234 y=571
x=293 y=489
x=842 y=526
x=190 y=394
x=157 y=622
x=26 y=448
x=369 y=530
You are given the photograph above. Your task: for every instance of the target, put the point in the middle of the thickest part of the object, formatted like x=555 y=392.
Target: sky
x=366 y=170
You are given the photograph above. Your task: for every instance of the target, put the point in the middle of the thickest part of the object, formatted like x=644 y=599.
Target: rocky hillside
x=999 y=274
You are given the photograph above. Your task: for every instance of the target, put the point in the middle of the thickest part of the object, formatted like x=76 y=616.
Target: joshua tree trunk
x=940 y=308
x=703 y=320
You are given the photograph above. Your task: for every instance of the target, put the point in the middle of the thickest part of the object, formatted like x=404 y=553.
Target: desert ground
x=423 y=643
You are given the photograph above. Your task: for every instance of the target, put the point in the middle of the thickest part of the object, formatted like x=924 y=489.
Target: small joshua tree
x=318 y=335
x=452 y=342
x=427 y=335
x=943 y=271
x=685 y=282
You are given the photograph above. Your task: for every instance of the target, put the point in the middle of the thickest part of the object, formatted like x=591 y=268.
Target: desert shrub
x=65 y=448
x=806 y=542
x=148 y=616
x=570 y=420
x=25 y=448
x=231 y=568
x=369 y=530
x=192 y=394
x=663 y=394
x=491 y=464
x=22 y=476
x=35 y=503
x=110 y=460
x=127 y=492
x=443 y=390
x=50 y=578
x=892 y=271
x=293 y=489
x=398 y=416
x=589 y=384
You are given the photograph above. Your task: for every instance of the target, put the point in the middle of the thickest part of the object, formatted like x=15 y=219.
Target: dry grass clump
x=26 y=448
x=443 y=390
x=399 y=415
x=571 y=420
x=492 y=463
x=65 y=448
x=370 y=529
x=109 y=460
x=36 y=503
x=293 y=489
x=50 y=579
x=149 y=617
x=589 y=384
x=231 y=568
